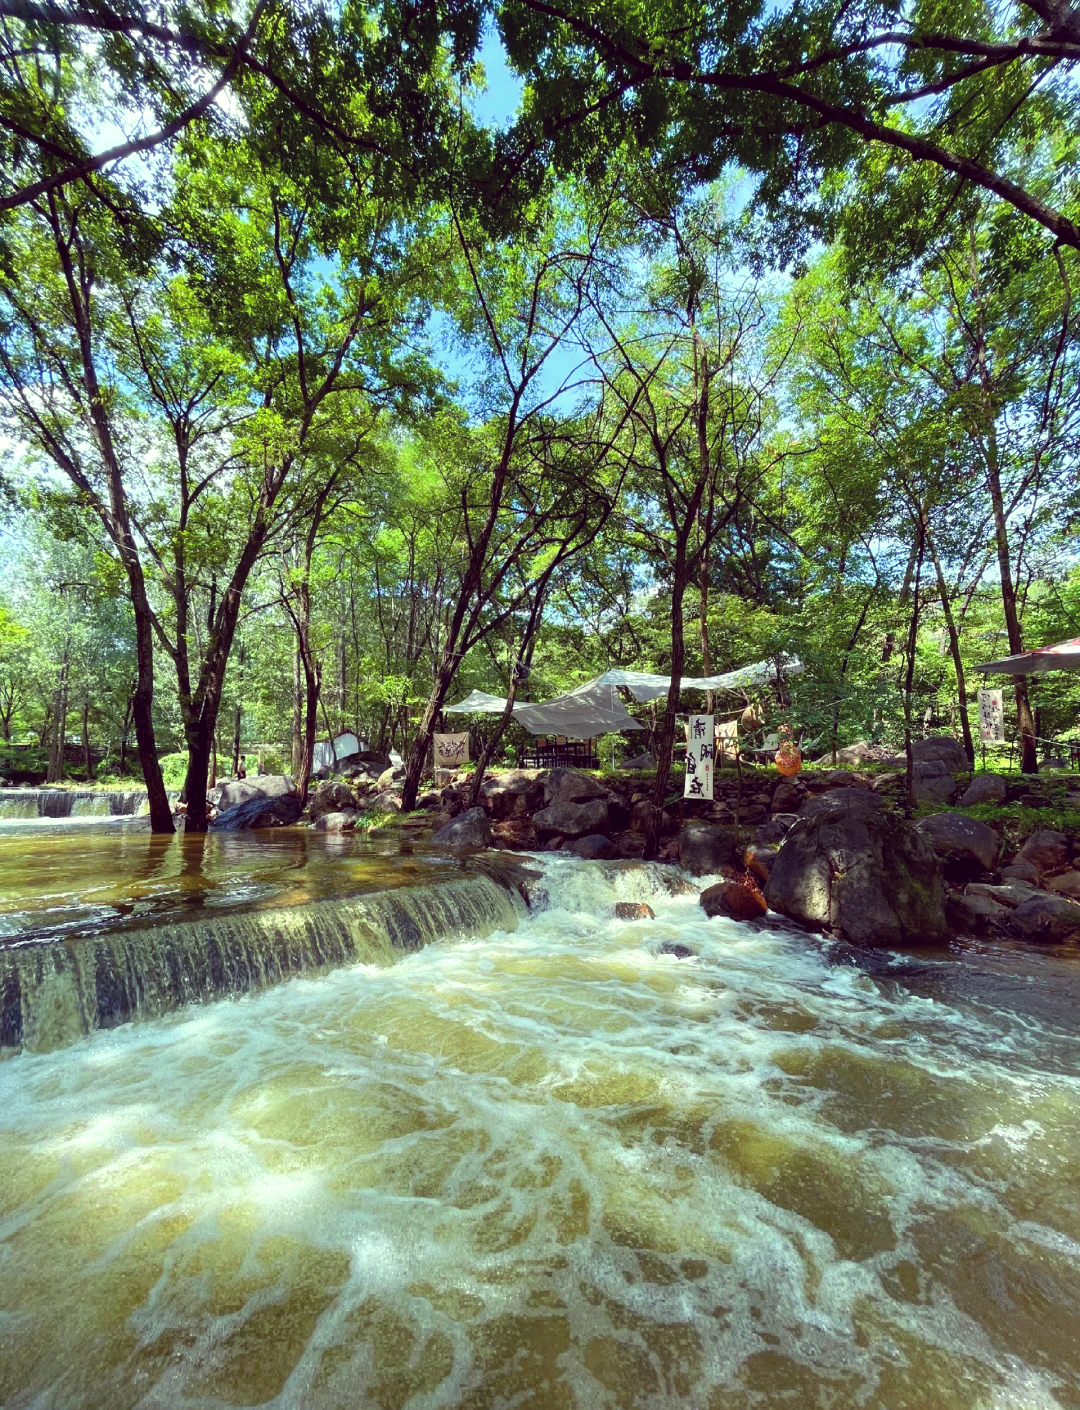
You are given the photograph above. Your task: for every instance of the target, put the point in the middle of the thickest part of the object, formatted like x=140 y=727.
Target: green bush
x=174 y=769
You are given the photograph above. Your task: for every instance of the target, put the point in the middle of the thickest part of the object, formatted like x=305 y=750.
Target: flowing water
x=557 y=1167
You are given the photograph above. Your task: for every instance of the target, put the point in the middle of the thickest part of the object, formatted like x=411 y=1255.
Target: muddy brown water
x=545 y=1167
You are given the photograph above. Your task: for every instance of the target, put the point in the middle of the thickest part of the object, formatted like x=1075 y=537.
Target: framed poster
x=700 y=741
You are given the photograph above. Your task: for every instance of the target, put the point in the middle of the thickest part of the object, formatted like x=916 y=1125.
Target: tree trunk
x=666 y=742
x=311 y=716
x=55 y=771
x=298 y=713
x=87 y=756
x=124 y=737
x=706 y=656
x=909 y=679
x=954 y=650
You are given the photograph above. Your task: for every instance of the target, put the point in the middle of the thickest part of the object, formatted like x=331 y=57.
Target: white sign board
x=451 y=750
x=727 y=739
x=991 y=717
x=699 y=757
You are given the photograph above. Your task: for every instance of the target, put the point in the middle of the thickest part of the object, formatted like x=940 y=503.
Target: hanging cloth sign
x=451 y=750
x=699 y=757
x=727 y=739
x=991 y=717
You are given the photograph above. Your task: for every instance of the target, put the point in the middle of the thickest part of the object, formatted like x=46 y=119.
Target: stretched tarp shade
x=643 y=685
x=583 y=714
x=1065 y=656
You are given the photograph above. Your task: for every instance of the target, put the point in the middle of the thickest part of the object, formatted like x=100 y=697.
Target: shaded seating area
x=545 y=752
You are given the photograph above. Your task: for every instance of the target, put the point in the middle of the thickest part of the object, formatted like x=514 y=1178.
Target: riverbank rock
x=859 y=872
x=515 y=834
x=568 y=786
x=639 y=761
x=634 y=910
x=594 y=847
x=330 y=798
x=942 y=749
x=1067 y=884
x=258 y=813
x=966 y=847
x=389 y=776
x=385 y=803
x=345 y=821
x=787 y=797
x=984 y=788
x=468 y=829
x=565 y=818
x=932 y=782
x=1052 y=919
x=512 y=795
x=243 y=790
x=975 y=915
x=1020 y=871
x=704 y=848
x=1045 y=850
x=759 y=860
x=730 y=899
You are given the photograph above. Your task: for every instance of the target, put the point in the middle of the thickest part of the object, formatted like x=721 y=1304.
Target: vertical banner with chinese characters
x=699 y=757
x=991 y=717
x=451 y=750
x=727 y=740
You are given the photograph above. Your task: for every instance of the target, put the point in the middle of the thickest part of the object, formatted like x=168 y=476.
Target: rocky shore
x=830 y=849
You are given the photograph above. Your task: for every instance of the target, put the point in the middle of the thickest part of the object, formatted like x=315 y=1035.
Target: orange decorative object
x=788 y=762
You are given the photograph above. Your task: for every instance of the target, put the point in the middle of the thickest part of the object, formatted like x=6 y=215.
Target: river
x=550 y=1167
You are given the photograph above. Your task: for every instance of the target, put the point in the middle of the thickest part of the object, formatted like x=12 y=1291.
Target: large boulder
x=975 y=915
x=728 y=898
x=850 y=799
x=862 y=752
x=330 y=798
x=932 y=781
x=385 y=803
x=259 y=812
x=705 y=848
x=984 y=788
x=243 y=790
x=391 y=775
x=760 y=860
x=568 y=819
x=1046 y=850
x=568 y=786
x=1047 y=917
x=468 y=829
x=1067 y=884
x=594 y=848
x=859 y=872
x=641 y=814
x=513 y=794
x=942 y=749
x=966 y=847
x=787 y=796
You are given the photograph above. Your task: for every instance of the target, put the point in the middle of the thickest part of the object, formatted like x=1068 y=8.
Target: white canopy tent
x=595 y=707
x=1064 y=656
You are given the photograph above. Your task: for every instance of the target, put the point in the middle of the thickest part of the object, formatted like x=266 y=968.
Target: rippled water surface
x=558 y=1168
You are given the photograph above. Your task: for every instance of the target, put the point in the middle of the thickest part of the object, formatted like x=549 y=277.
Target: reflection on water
x=557 y=1168
x=84 y=880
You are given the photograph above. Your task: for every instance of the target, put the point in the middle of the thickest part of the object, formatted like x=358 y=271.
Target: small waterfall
x=73 y=803
x=52 y=995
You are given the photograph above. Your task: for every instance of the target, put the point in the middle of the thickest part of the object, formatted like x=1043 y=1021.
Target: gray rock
x=565 y=819
x=385 y=803
x=639 y=761
x=1046 y=850
x=941 y=749
x=634 y=910
x=854 y=800
x=1012 y=894
x=568 y=786
x=344 y=821
x=331 y=798
x=760 y=860
x=640 y=815
x=243 y=790
x=862 y=752
x=932 y=781
x=966 y=846
x=429 y=800
x=984 y=788
x=259 y=813
x=975 y=915
x=787 y=797
x=594 y=848
x=776 y=829
x=388 y=777
x=468 y=829
x=860 y=873
x=1021 y=871
x=704 y=848
x=677 y=951
x=1046 y=917
x=512 y=795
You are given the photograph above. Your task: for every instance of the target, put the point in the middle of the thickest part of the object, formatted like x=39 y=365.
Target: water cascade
x=53 y=994
x=22 y=803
